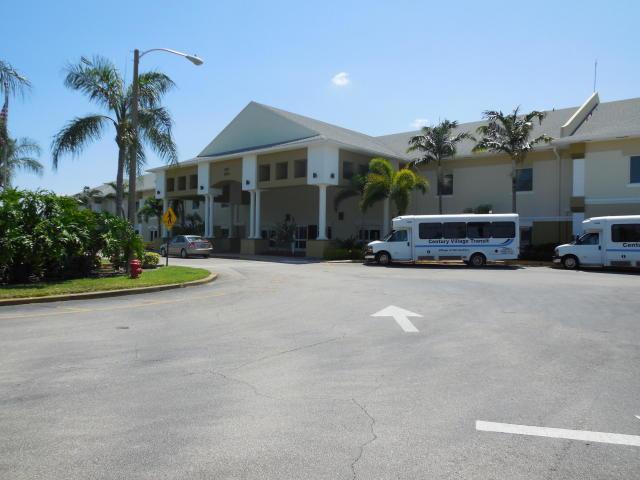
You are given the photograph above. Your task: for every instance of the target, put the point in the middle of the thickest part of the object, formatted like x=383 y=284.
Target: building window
x=282 y=170
x=340 y=215
x=171 y=184
x=634 y=169
x=524 y=179
x=137 y=205
x=300 y=168
x=193 y=181
x=369 y=235
x=226 y=172
x=182 y=183
x=446 y=186
x=264 y=173
x=195 y=205
x=347 y=170
x=363 y=169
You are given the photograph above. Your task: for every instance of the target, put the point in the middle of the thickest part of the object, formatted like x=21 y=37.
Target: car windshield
x=388 y=236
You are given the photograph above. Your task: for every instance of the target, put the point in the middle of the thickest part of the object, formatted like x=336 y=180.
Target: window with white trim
x=634 y=169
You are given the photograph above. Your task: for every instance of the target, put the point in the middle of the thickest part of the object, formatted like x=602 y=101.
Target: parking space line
x=581 y=435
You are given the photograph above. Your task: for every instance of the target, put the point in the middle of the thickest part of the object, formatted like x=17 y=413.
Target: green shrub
x=47 y=236
x=150 y=260
x=333 y=253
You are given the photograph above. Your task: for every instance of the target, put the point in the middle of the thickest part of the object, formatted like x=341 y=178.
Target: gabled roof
x=260 y=126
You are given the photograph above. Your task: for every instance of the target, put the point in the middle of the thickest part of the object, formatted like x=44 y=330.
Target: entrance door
x=400 y=243
x=589 y=249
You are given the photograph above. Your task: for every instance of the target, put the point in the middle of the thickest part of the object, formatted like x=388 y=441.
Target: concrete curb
x=106 y=293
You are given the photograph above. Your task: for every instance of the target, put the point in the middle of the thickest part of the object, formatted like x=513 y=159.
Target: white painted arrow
x=401 y=316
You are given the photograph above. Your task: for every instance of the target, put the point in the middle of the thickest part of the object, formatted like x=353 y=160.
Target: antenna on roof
x=595 y=74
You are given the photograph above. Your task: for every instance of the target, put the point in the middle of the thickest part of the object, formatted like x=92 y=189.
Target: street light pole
x=133 y=164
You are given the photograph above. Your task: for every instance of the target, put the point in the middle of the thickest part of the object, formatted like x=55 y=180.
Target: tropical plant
x=102 y=83
x=19 y=154
x=286 y=231
x=45 y=236
x=88 y=195
x=12 y=83
x=435 y=144
x=152 y=207
x=150 y=260
x=384 y=183
x=510 y=134
x=354 y=188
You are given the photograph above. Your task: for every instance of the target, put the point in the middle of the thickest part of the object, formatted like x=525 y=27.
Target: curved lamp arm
x=192 y=58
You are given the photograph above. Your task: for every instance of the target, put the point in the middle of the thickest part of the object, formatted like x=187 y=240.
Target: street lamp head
x=194 y=59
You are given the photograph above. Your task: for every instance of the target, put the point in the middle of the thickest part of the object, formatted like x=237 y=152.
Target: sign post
x=169 y=219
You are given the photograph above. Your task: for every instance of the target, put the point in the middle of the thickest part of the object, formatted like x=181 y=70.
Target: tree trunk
x=439 y=187
x=513 y=186
x=4 y=142
x=120 y=180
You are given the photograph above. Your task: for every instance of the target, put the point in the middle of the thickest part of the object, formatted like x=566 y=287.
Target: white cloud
x=418 y=123
x=341 y=79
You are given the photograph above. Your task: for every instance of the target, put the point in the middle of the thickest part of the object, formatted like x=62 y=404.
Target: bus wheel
x=383 y=258
x=570 y=262
x=477 y=260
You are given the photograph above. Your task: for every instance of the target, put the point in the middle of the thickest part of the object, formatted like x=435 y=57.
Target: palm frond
x=12 y=81
x=98 y=79
x=152 y=86
x=75 y=136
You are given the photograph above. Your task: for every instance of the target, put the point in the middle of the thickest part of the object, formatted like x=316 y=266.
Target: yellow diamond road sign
x=169 y=218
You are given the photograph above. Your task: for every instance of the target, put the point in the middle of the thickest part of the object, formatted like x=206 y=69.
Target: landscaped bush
x=150 y=260
x=542 y=252
x=332 y=253
x=47 y=236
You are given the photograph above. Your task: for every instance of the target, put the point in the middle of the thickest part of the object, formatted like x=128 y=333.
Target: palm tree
x=12 y=82
x=435 y=144
x=510 y=134
x=87 y=196
x=152 y=207
x=19 y=155
x=386 y=184
x=101 y=81
x=354 y=188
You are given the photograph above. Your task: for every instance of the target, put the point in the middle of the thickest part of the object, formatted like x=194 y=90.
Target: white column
x=257 y=230
x=252 y=211
x=211 y=216
x=322 y=213
x=207 y=226
x=385 y=214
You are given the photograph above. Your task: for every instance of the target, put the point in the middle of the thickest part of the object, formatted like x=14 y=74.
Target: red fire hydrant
x=135 y=268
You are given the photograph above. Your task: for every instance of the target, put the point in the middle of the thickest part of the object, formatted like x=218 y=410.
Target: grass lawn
x=159 y=276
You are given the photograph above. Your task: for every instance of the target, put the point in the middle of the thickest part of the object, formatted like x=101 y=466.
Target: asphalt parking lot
x=278 y=370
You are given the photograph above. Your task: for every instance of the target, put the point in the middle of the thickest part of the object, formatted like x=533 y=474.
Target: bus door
x=589 y=249
x=400 y=245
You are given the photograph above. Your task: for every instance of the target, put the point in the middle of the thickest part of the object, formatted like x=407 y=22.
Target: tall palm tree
x=12 y=83
x=386 y=184
x=102 y=83
x=354 y=188
x=510 y=134
x=19 y=154
x=435 y=144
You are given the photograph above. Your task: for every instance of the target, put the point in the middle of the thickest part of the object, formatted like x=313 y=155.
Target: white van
x=472 y=238
x=607 y=242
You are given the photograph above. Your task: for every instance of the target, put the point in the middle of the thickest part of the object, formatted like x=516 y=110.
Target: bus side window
x=455 y=230
x=427 y=231
x=479 y=229
x=503 y=229
x=629 y=232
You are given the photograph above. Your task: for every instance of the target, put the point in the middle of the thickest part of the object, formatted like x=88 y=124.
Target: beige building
x=268 y=164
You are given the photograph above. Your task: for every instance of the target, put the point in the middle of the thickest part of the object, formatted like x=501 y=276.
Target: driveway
x=278 y=370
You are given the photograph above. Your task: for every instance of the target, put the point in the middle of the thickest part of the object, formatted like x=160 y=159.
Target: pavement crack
x=374 y=437
x=285 y=352
x=255 y=389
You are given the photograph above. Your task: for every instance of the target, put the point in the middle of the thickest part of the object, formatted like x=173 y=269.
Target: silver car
x=186 y=245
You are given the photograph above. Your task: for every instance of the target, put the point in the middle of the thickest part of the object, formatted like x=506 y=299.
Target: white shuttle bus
x=606 y=242
x=472 y=238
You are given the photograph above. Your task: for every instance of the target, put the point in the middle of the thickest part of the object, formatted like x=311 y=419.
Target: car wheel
x=206 y=256
x=570 y=262
x=477 y=260
x=183 y=253
x=383 y=258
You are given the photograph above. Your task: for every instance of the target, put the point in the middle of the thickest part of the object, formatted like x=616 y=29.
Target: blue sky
x=404 y=60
